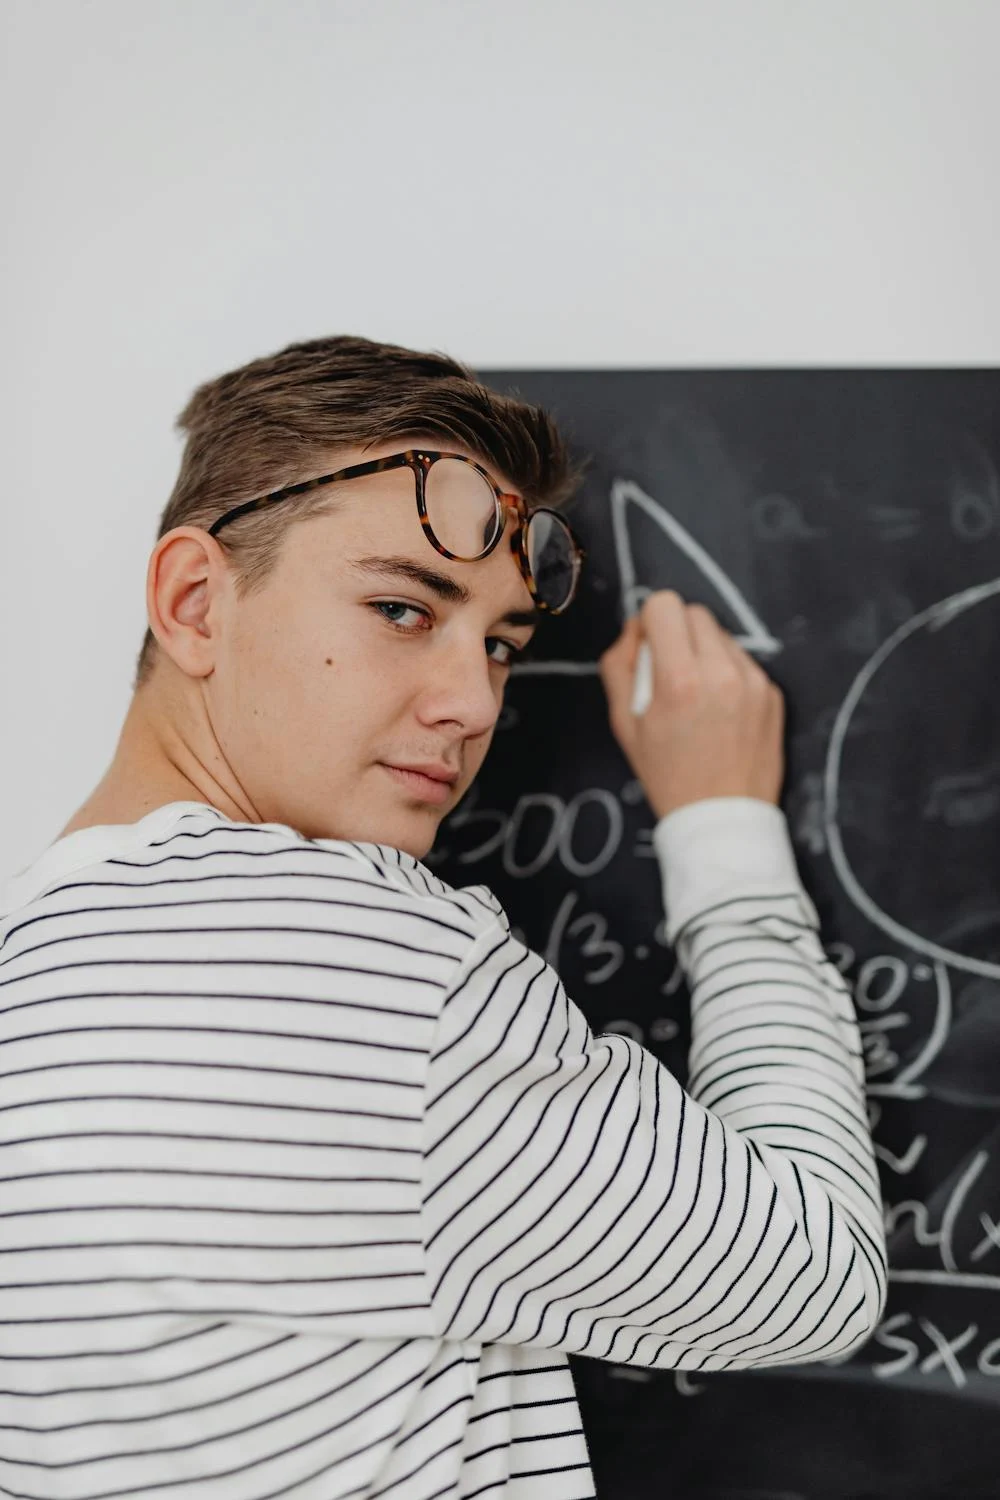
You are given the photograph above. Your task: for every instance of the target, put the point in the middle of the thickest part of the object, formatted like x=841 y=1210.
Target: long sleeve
x=576 y=1197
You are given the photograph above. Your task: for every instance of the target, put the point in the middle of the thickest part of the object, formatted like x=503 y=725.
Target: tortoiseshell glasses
x=463 y=514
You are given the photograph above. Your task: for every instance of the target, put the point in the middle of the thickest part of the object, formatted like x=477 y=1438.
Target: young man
x=312 y=1174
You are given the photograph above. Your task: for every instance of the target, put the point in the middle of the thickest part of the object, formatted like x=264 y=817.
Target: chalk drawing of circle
x=912 y=784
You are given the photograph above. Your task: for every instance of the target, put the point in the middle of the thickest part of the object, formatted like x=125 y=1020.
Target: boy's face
x=355 y=696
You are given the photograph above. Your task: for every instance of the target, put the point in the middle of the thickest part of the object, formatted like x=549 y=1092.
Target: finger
x=617 y=667
x=665 y=625
x=624 y=647
x=755 y=674
x=717 y=645
x=740 y=656
x=716 y=651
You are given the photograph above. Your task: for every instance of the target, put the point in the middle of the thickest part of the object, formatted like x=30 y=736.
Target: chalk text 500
x=584 y=834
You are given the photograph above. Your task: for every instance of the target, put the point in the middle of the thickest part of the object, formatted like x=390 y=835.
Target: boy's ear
x=186 y=574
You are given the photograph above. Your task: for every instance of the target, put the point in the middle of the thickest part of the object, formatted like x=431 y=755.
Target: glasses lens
x=462 y=509
x=552 y=558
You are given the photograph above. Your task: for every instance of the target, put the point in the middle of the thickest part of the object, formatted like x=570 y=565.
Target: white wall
x=191 y=183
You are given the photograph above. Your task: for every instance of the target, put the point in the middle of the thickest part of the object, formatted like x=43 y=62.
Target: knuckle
x=728 y=679
x=685 y=686
x=659 y=603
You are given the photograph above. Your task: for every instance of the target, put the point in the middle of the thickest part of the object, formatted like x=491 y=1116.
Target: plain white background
x=190 y=183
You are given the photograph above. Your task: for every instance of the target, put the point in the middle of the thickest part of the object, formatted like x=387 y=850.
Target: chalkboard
x=845 y=525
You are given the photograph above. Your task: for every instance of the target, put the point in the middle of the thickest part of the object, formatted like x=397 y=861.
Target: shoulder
x=375 y=875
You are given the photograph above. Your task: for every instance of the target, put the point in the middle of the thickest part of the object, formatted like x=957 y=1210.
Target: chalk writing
x=865 y=586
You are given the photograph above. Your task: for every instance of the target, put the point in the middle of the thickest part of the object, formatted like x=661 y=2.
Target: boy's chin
x=414 y=835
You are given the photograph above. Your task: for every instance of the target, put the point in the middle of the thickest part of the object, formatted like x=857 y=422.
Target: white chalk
x=642 y=683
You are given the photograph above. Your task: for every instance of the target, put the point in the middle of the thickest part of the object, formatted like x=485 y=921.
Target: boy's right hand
x=715 y=725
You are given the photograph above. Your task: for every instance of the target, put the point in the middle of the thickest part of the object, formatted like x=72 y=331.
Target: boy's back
x=312 y=1175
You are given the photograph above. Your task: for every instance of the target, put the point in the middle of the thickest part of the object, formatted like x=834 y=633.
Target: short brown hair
x=273 y=421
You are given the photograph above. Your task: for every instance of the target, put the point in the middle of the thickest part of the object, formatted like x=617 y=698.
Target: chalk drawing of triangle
x=724 y=598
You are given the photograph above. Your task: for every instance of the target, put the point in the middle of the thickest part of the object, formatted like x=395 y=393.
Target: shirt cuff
x=723 y=848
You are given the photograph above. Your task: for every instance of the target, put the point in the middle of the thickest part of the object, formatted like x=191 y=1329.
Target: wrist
x=721 y=848
x=666 y=807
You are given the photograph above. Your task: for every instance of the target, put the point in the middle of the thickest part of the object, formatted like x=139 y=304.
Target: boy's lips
x=434 y=769
x=431 y=782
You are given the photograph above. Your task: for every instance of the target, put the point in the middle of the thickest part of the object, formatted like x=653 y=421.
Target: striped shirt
x=312 y=1175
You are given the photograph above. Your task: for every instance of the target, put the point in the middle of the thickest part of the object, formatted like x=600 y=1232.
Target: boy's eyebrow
x=438 y=583
x=530 y=617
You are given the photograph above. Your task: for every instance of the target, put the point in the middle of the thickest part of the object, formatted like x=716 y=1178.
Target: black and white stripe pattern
x=311 y=1175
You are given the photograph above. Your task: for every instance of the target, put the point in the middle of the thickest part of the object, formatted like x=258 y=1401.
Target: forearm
x=775 y=1047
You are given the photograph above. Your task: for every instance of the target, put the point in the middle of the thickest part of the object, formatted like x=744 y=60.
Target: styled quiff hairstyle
x=277 y=420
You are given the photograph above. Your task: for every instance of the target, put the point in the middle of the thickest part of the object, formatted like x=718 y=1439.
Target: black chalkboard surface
x=845 y=525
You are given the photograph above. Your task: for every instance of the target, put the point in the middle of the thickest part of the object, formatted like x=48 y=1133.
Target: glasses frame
x=419 y=461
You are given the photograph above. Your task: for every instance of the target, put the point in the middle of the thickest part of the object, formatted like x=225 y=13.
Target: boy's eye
x=395 y=611
x=503 y=653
